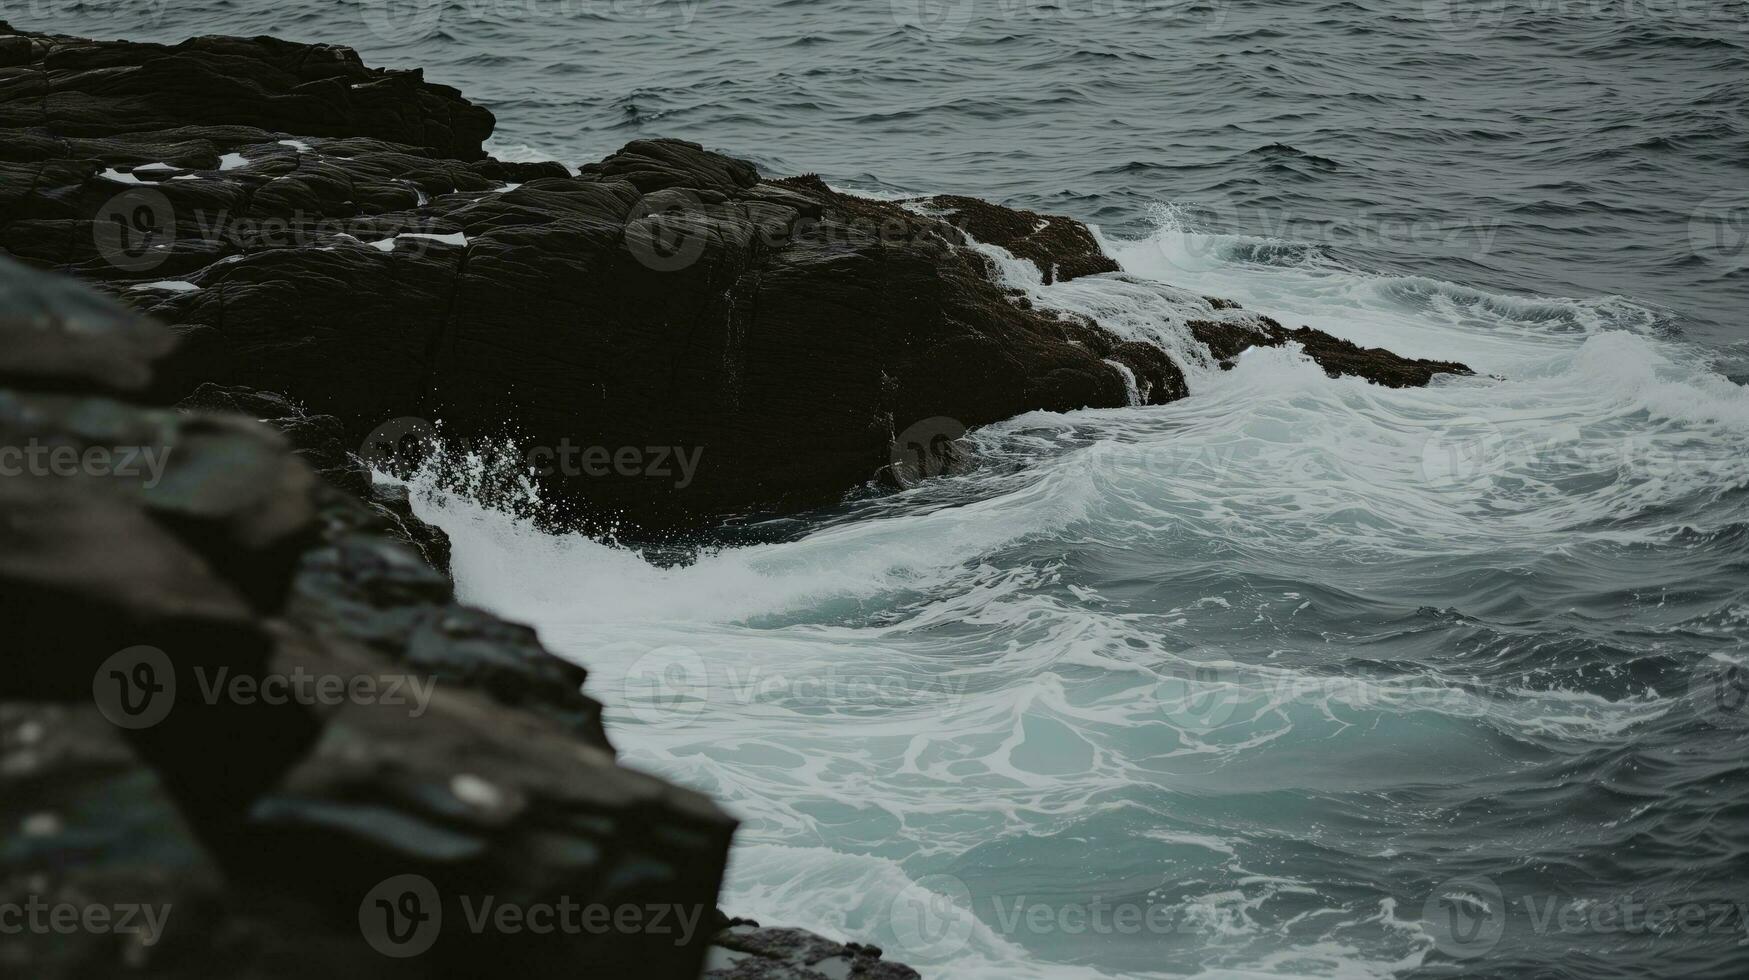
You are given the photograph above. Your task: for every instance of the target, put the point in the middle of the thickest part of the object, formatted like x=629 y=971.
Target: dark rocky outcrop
x=335 y=233
x=196 y=558
x=1062 y=248
x=1227 y=339
x=80 y=89
x=349 y=495
x=744 y=951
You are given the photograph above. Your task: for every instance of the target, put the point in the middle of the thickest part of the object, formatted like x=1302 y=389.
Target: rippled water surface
x=1297 y=676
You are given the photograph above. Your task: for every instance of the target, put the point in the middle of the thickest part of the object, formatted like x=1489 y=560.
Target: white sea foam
x=389 y=244
x=523 y=153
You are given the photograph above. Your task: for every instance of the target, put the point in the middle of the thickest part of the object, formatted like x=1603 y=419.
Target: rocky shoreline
x=335 y=233
x=312 y=256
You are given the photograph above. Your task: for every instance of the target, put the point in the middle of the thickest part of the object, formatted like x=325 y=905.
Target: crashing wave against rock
x=333 y=251
x=242 y=713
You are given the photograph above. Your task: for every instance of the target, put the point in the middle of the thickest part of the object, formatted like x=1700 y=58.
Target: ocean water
x=1296 y=677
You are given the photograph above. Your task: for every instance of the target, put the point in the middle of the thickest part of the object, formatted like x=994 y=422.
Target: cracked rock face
x=231 y=694
x=335 y=233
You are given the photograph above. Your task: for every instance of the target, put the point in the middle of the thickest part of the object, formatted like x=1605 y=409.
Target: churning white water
x=1220 y=688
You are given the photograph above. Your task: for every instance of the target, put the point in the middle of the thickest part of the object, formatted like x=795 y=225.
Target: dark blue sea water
x=1295 y=677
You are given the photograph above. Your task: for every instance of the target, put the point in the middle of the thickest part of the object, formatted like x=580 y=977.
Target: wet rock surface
x=230 y=706
x=1062 y=248
x=668 y=338
x=350 y=496
x=102 y=88
x=1339 y=358
x=745 y=951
